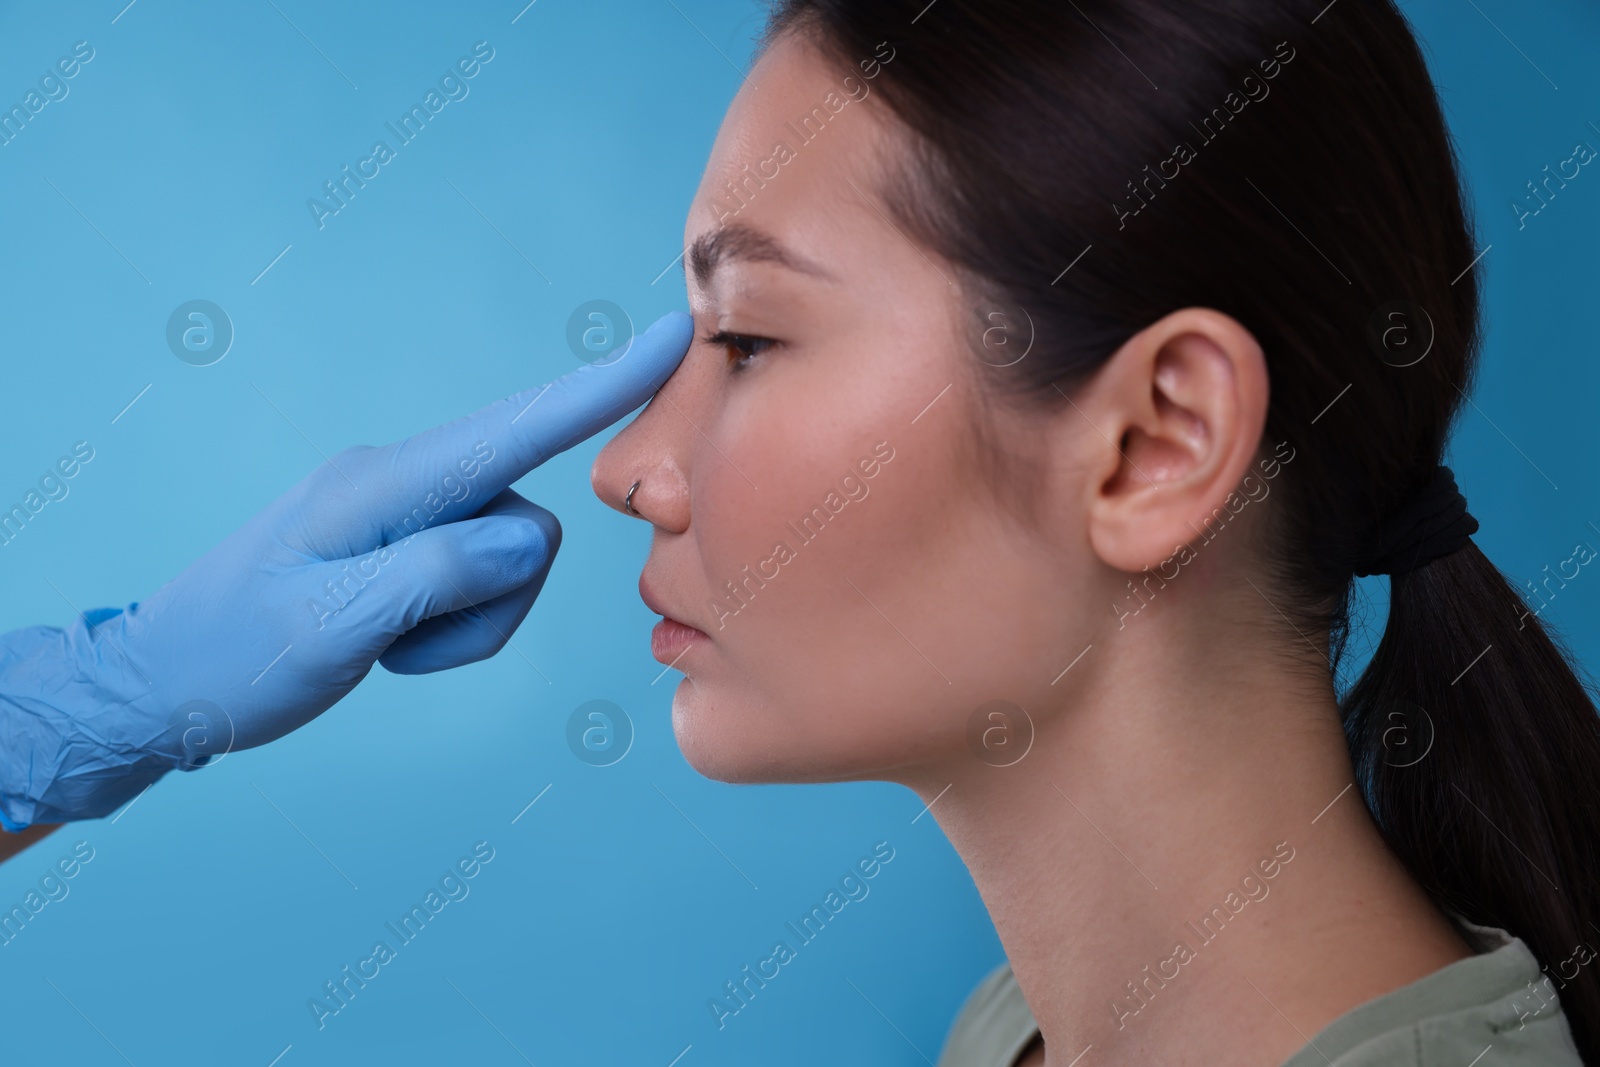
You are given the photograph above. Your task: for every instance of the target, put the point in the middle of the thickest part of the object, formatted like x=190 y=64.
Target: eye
x=741 y=348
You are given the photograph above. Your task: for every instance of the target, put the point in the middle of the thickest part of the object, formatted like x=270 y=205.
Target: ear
x=1184 y=401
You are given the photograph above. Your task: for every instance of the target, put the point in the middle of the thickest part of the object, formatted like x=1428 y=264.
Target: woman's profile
x=1058 y=369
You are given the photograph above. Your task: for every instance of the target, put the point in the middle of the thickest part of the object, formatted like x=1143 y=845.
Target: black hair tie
x=1434 y=523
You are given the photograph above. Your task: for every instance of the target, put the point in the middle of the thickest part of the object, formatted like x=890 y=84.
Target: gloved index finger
x=586 y=400
x=520 y=432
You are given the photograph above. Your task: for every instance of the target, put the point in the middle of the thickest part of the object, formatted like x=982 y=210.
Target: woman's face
x=821 y=512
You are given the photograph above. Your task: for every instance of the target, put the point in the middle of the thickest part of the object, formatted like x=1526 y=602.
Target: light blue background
x=607 y=918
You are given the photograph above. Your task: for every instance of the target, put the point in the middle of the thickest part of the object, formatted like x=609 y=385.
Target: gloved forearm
x=78 y=735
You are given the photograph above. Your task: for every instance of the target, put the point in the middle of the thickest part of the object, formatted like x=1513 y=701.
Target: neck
x=1180 y=868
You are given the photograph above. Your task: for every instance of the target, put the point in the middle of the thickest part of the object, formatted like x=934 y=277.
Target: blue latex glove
x=416 y=555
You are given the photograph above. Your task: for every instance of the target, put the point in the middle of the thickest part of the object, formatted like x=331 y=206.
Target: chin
x=725 y=741
x=746 y=741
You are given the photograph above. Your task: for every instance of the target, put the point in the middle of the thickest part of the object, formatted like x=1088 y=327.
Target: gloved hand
x=416 y=555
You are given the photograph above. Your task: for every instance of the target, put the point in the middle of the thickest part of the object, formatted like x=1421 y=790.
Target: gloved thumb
x=471 y=634
x=380 y=596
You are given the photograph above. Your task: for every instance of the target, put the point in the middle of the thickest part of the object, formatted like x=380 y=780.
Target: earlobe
x=1187 y=399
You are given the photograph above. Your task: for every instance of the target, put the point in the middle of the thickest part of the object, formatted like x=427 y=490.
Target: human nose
x=643 y=470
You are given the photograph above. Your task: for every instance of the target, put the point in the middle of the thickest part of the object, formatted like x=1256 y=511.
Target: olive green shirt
x=1498 y=1000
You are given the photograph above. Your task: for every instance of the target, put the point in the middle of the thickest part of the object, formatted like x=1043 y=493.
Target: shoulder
x=993 y=1025
x=1465 y=1037
x=1497 y=1006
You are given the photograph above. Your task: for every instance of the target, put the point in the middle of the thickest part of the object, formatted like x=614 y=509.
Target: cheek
x=799 y=430
x=888 y=618
x=777 y=556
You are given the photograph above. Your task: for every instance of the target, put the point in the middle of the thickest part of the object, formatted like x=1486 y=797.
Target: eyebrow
x=739 y=241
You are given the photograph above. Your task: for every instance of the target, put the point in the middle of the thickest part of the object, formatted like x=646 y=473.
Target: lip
x=671 y=637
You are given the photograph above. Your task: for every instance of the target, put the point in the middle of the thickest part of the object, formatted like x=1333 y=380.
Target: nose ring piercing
x=627 y=501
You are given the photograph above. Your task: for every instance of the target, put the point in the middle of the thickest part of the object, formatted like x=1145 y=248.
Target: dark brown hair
x=1317 y=197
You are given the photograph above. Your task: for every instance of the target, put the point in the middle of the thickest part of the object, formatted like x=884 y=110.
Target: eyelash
x=742 y=343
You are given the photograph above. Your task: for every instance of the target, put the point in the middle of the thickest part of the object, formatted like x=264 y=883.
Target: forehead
x=796 y=159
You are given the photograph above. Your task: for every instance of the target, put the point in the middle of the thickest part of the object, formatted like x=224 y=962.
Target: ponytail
x=1478 y=749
